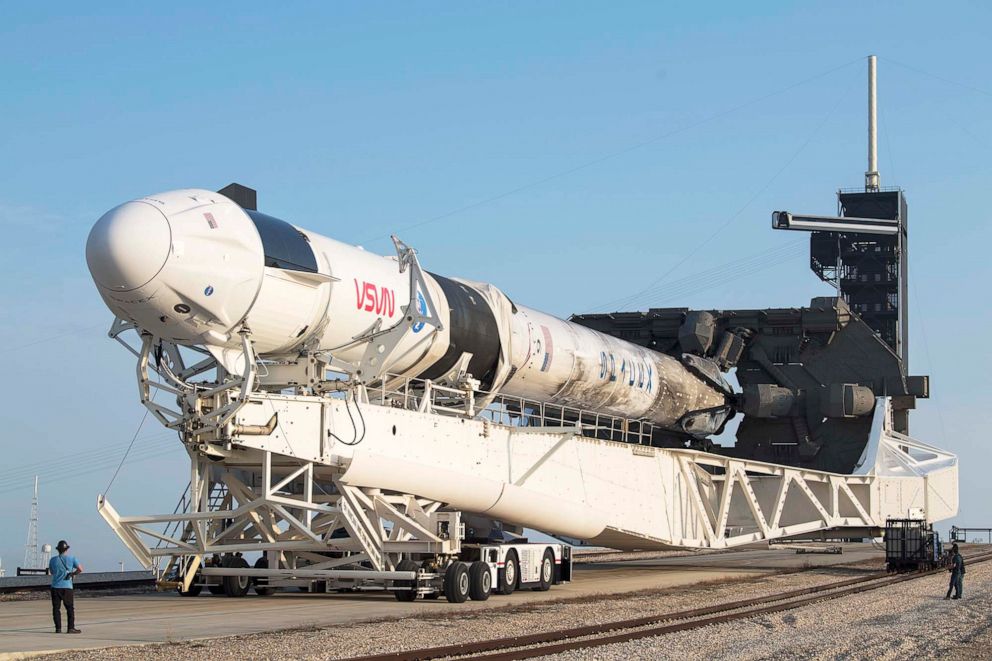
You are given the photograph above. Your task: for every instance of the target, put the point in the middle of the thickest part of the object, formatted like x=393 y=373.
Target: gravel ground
x=469 y=624
x=910 y=620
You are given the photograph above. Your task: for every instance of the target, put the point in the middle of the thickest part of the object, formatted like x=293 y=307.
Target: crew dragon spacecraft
x=195 y=268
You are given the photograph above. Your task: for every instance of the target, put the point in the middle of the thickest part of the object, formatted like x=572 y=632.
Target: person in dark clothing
x=62 y=568
x=957 y=574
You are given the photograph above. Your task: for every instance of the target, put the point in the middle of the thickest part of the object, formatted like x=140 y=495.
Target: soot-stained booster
x=194 y=268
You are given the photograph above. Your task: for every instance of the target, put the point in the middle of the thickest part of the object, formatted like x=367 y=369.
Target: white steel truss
x=275 y=508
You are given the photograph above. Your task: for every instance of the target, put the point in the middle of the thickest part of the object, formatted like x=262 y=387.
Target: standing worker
x=957 y=574
x=62 y=568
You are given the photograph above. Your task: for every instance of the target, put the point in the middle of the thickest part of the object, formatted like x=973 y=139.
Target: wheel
x=456 y=583
x=193 y=591
x=480 y=581
x=507 y=576
x=235 y=586
x=217 y=589
x=547 y=571
x=408 y=591
x=261 y=583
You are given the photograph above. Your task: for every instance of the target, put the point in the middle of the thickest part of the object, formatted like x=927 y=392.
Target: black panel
x=472 y=329
x=285 y=246
x=244 y=197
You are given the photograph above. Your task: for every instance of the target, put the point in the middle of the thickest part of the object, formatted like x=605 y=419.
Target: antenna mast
x=871 y=176
x=31 y=560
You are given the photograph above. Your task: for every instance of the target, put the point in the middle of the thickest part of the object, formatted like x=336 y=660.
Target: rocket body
x=194 y=268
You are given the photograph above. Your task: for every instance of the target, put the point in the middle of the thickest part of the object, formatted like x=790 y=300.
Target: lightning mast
x=31 y=559
x=871 y=176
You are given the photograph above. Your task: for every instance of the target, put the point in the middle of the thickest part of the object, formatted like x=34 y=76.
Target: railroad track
x=596 y=635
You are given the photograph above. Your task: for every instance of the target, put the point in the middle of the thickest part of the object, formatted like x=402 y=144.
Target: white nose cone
x=128 y=246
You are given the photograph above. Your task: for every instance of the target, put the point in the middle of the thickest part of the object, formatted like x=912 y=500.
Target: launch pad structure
x=414 y=453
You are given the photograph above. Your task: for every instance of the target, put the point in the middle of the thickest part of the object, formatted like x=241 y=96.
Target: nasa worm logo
x=422 y=309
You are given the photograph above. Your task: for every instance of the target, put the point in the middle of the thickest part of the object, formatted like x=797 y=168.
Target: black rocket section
x=472 y=329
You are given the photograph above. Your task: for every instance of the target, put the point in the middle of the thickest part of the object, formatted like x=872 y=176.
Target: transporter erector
x=362 y=423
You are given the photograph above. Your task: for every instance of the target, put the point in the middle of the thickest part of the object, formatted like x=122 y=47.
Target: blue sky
x=570 y=153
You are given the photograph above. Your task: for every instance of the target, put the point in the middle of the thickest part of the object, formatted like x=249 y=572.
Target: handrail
x=413 y=394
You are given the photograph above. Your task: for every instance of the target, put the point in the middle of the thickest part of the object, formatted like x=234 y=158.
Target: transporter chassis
x=374 y=481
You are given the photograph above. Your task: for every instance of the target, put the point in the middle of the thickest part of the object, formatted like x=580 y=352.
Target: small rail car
x=912 y=545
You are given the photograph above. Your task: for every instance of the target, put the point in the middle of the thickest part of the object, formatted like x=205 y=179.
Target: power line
x=70 y=472
x=615 y=154
x=26 y=470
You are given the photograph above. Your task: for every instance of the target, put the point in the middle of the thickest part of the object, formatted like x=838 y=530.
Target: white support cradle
x=386 y=461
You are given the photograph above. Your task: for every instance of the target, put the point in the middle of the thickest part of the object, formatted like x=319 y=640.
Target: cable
x=719 y=279
x=926 y=350
x=974 y=136
x=52 y=338
x=933 y=75
x=355 y=440
x=730 y=270
x=741 y=210
x=124 y=458
x=615 y=154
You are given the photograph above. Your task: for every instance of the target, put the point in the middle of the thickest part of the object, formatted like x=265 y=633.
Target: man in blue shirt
x=62 y=568
x=957 y=574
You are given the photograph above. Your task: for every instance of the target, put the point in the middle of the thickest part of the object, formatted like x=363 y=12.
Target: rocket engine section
x=194 y=268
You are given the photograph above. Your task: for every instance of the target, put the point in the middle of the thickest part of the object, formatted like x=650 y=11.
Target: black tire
x=193 y=591
x=236 y=586
x=216 y=589
x=509 y=576
x=408 y=589
x=261 y=583
x=457 y=583
x=480 y=581
x=547 y=576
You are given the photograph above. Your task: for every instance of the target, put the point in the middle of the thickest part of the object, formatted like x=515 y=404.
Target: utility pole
x=31 y=560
